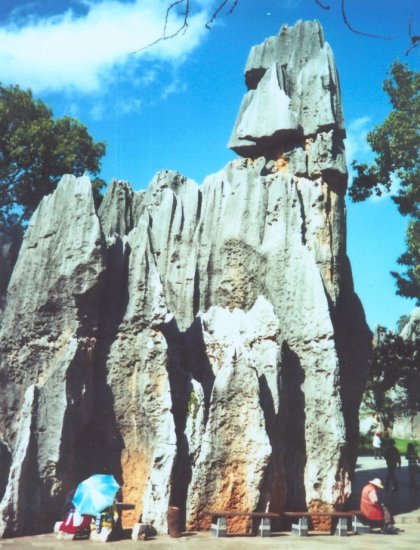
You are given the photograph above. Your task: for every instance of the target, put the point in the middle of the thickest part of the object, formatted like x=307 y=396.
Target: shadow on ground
x=406 y=499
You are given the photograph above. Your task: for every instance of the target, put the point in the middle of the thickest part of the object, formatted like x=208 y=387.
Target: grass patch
x=366 y=449
x=401 y=445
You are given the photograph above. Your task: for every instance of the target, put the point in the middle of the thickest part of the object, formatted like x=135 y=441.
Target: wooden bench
x=121 y=506
x=219 y=521
x=301 y=528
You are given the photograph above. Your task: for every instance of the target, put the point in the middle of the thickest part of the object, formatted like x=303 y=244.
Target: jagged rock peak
x=120 y=209
x=292 y=111
x=51 y=258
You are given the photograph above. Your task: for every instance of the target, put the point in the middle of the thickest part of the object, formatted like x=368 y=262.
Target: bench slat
x=322 y=514
x=225 y=514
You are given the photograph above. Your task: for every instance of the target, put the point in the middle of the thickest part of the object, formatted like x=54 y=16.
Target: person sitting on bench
x=376 y=513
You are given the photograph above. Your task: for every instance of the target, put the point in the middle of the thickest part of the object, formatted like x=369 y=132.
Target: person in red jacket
x=376 y=513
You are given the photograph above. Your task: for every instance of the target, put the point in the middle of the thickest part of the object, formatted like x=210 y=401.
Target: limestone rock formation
x=292 y=110
x=48 y=335
x=10 y=241
x=411 y=331
x=202 y=343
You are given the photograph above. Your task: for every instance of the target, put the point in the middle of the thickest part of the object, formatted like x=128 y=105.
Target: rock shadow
x=406 y=499
x=292 y=398
x=273 y=489
x=187 y=360
x=93 y=444
x=353 y=340
x=5 y=463
x=181 y=387
x=113 y=307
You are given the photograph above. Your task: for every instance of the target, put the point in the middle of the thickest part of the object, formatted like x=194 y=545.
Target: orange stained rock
x=308 y=143
x=135 y=470
x=320 y=523
x=281 y=165
x=232 y=496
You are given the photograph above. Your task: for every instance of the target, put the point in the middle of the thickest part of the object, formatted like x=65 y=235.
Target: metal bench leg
x=300 y=529
x=219 y=527
x=264 y=529
x=358 y=528
x=341 y=528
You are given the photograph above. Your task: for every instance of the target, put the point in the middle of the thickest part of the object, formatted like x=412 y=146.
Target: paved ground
x=402 y=503
x=406 y=540
x=405 y=504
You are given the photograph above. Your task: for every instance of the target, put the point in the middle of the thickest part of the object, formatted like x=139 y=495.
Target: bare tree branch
x=347 y=23
x=415 y=40
x=170 y=8
x=219 y=9
x=181 y=29
x=235 y=3
x=323 y=6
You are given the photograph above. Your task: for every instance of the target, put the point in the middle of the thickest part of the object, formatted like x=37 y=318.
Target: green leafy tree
x=36 y=150
x=396 y=143
x=393 y=387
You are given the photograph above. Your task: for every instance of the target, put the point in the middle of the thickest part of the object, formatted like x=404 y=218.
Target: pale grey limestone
x=243 y=355
x=20 y=496
x=47 y=339
x=268 y=111
x=292 y=110
x=116 y=210
x=202 y=343
x=411 y=331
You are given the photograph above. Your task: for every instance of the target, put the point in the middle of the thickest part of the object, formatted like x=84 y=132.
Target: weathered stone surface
x=21 y=497
x=202 y=343
x=47 y=338
x=231 y=460
x=136 y=372
x=116 y=210
x=292 y=111
x=209 y=254
x=10 y=241
x=268 y=111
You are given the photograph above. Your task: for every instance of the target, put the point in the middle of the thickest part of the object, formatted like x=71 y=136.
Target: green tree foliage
x=36 y=150
x=393 y=387
x=395 y=143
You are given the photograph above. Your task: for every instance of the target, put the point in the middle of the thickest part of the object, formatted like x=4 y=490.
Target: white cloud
x=97 y=111
x=357 y=146
x=174 y=87
x=129 y=106
x=84 y=53
x=147 y=78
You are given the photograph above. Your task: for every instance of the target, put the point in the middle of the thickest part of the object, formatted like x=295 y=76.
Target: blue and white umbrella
x=95 y=494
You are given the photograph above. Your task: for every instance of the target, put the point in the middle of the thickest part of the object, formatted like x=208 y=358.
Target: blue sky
x=174 y=105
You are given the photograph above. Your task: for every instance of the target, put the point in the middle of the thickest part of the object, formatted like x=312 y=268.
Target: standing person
x=393 y=459
x=376 y=513
x=413 y=460
x=376 y=444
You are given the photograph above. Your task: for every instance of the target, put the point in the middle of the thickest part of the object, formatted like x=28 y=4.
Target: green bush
x=366 y=449
x=365 y=444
